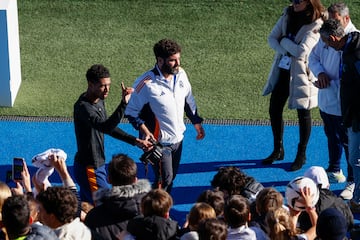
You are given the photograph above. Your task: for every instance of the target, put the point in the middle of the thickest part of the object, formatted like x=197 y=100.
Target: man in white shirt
x=157 y=106
x=325 y=63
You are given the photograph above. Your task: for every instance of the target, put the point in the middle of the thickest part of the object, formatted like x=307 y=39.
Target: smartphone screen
x=18 y=166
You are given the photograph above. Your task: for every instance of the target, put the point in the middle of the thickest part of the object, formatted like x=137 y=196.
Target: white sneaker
x=336 y=177
x=347 y=193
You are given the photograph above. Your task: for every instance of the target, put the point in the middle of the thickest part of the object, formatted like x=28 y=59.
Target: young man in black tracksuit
x=91 y=123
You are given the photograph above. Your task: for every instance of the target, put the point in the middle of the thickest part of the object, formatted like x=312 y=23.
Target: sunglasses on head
x=297 y=1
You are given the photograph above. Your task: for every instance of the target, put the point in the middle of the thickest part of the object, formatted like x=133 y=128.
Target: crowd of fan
x=236 y=207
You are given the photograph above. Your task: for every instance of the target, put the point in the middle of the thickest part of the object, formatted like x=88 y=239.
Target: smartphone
x=18 y=167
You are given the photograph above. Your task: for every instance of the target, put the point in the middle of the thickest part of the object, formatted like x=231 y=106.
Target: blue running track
x=241 y=145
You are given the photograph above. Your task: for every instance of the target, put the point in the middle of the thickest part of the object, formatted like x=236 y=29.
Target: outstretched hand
x=59 y=164
x=126 y=92
x=307 y=196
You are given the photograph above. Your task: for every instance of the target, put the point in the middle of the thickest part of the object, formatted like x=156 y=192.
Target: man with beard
x=156 y=108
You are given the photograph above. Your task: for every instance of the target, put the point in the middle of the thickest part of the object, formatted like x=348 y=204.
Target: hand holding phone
x=18 y=167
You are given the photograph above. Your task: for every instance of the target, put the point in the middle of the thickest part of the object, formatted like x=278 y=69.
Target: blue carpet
x=239 y=145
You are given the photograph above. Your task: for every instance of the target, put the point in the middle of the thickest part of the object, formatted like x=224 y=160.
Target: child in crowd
x=282 y=223
x=5 y=192
x=212 y=229
x=266 y=200
x=327 y=199
x=237 y=216
x=155 y=223
x=18 y=223
x=214 y=198
x=58 y=208
x=331 y=225
x=198 y=212
x=231 y=180
x=301 y=195
x=115 y=206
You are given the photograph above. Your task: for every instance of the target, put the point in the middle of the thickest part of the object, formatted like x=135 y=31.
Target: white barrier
x=10 y=69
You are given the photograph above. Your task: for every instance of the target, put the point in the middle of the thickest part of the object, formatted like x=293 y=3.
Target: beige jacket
x=303 y=94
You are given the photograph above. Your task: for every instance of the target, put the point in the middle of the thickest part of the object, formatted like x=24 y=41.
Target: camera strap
x=160 y=176
x=159 y=181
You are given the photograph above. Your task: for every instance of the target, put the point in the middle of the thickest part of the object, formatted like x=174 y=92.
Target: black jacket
x=91 y=122
x=153 y=228
x=114 y=207
x=328 y=199
x=251 y=189
x=350 y=82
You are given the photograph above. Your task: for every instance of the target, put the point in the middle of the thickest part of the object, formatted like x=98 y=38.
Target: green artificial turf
x=225 y=51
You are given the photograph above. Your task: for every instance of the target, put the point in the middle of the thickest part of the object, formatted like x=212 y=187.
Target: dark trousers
x=278 y=99
x=165 y=172
x=337 y=139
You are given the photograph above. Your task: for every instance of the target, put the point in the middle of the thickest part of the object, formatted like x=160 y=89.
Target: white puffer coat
x=302 y=92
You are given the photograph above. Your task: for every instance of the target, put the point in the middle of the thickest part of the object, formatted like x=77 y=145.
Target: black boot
x=299 y=160
x=277 y=127
x=276 y=155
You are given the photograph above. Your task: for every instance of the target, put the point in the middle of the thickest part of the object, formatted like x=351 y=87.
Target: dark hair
x=230 y=179
x=212 y=229
x=318 y=9
x=33 y=205
x=332 y=27
x=156 y=202
x=313 y=11
x=60 y=201
x=97 y=72
x=166 y=48
x=237 y=211
x=214 y=198
x=122 y=170
x=16 y=215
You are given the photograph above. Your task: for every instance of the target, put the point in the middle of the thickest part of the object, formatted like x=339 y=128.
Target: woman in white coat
x=293 y=37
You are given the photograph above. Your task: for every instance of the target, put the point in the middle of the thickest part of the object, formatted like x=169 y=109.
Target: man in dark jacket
x=333 y=35
x=91 y=123
x=16 y=219
x=115 y=206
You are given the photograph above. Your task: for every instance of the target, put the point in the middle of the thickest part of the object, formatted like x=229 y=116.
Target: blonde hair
x=198 y=212
x=5 y=192
x=268 y=199
x=280 y=225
